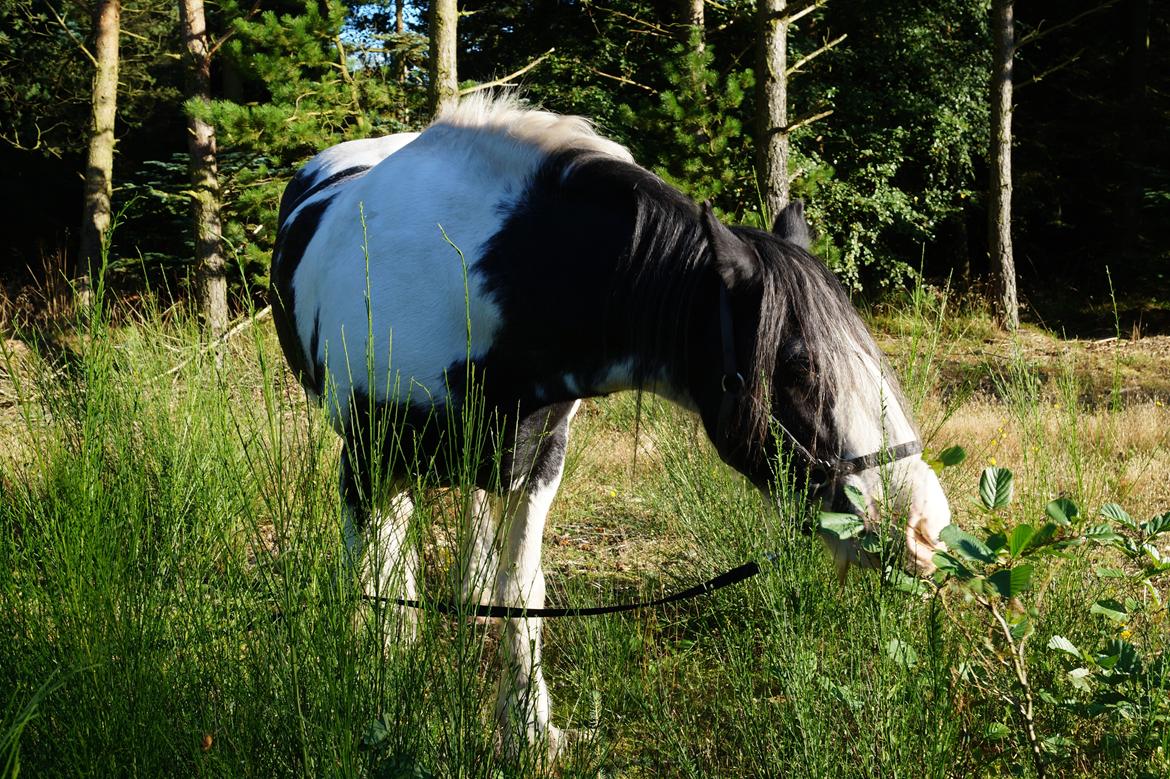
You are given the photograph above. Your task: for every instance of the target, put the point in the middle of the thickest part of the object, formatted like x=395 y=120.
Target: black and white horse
x=584 y=275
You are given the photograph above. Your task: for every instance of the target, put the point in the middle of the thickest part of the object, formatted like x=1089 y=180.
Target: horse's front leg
x=523 y=708
x=378 y=552
x=479 y=560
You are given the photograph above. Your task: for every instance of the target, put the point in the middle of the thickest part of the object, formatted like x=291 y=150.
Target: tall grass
x=174 y=598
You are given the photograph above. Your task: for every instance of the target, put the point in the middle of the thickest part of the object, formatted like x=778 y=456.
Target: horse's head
x=804 y=387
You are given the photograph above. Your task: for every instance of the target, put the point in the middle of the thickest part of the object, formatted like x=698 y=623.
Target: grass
x=173 y=599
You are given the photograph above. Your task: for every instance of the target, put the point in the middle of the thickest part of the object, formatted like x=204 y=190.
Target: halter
x=821 y=470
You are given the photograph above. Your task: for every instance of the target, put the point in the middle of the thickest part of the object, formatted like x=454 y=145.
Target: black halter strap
x=821 y=470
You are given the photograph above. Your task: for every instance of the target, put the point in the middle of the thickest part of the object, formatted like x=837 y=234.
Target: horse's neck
x=584 y=319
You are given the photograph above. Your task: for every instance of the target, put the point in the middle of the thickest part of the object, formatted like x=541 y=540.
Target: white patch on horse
x=365 y=152
x=869 y=410
x=385 y=566
x=523 y=707
x=463 y=172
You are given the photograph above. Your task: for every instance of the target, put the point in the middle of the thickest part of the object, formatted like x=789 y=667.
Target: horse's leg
x=479 y=560
x=375 y=541
x=523 y=707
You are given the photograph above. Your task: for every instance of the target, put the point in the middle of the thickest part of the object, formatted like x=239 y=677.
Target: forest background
x=888 y=125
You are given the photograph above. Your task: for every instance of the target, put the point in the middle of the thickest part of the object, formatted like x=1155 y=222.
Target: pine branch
x=789 y=18
x=228 y=35
x=499 y=82
x=803 y=122
x=1038 y=33
x=624 y=80
x=1054 y=69
x=810 y=57
x=653 y=28
x=70 y=33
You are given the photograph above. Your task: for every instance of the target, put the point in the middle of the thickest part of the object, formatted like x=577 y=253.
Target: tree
x=444 y=86
x=772 y=105
x=99 y=167
x=999 y=211
x=205 y=199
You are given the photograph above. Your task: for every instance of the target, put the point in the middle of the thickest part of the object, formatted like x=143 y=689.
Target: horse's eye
x=800 y=367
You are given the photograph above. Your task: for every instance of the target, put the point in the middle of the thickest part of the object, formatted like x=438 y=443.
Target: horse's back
x=407 y=234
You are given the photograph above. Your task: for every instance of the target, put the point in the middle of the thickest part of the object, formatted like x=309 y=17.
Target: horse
x=578 y=274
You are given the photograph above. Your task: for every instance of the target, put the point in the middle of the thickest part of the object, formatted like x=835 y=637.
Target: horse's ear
x=791 y=225
x=735 y=261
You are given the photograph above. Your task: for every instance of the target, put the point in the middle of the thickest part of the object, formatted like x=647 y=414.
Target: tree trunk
x=99 y=166
x=400 y=30
x=444 y=84
x=205 y=202
x=772 y=106
x=696 y=25
x=999 y=211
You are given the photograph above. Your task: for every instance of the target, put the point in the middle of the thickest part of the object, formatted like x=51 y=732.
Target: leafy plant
x=1105 y=675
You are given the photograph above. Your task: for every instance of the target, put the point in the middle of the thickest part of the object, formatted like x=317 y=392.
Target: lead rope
x=734 y=576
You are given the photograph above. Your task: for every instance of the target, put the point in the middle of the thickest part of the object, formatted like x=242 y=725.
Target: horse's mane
x=799 y=292
x=668 y=253
x=508 y=117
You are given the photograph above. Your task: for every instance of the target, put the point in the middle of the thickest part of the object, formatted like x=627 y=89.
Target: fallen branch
x=235 y=330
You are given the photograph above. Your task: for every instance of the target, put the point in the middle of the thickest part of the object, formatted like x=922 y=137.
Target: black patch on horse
x=303 y=186
x=291 y=242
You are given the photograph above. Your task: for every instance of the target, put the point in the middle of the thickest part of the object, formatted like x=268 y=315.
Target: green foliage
x=898 y=158
x=693 y=137
x=1099 y=675
x=46 y=78
x=311 y=92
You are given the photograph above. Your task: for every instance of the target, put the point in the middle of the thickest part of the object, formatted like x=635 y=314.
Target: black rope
x=734 y=576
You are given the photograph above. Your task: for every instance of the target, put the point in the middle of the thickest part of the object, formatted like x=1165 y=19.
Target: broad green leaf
x=995 y=488
x=1022 y=629
x=1044 y=535
x=949 y=565
x=1110 y=609
x=841 y=526
x=1064 y=645
x=965 y=545
x=1057 y=745
x=1019 y=538
x=1062 y=511
x=996 y=731
x=1102 y=534
x=856 y=499
x=872 y=542
x=952 y=456
x=1118 y=514
x=1080 y=678
x=1010 y=582
x=996 y=541
x=1157 y=525
x=901 y=653
x=1121 y=657
x=1106 y=572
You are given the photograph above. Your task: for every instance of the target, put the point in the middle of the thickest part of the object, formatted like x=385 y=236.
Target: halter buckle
x=820 y=473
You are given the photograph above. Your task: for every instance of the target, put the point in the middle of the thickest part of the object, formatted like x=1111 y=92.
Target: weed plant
x=175 y=600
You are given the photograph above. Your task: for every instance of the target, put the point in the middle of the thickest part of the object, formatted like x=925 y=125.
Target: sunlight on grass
x=174 y=600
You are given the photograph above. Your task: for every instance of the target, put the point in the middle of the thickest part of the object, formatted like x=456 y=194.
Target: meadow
x=173 y=598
